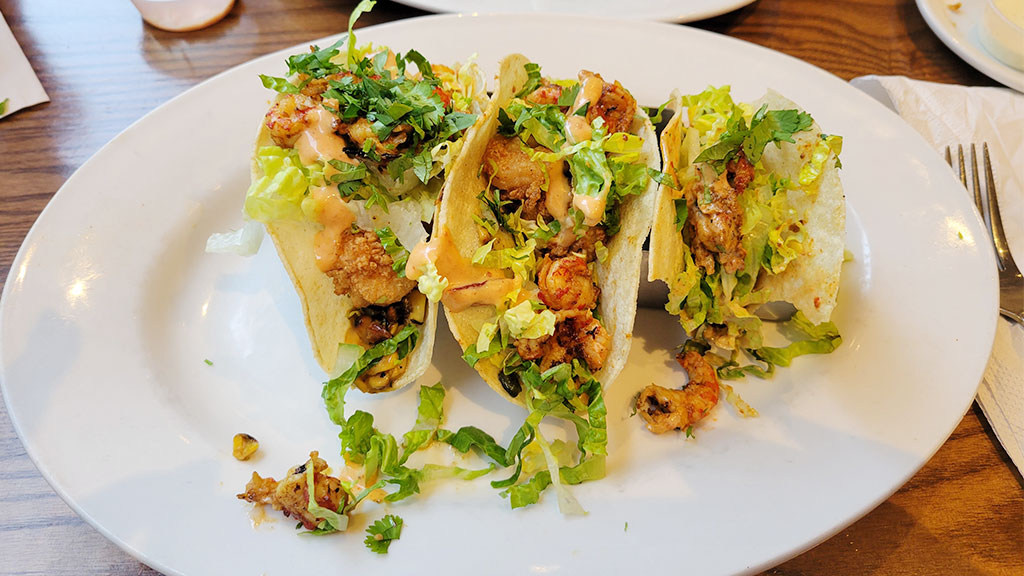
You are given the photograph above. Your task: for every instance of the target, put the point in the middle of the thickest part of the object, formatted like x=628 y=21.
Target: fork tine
x=960 y=164
x=949 y=156
x=996 y=222
x=975 y=186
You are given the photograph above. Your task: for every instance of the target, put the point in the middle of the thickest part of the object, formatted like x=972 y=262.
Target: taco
x=537 y=249
x=347 y=167
x=541 y=227
x=753 y=213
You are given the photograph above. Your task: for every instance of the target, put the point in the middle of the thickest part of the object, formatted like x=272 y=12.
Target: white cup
x=1002 y=31
x=183 y=15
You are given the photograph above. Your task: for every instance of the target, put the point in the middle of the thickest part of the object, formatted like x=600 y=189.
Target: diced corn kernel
x=244 y=446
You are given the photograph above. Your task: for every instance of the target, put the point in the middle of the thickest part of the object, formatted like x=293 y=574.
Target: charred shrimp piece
x=363 y=271
x=664 y=409
x=578 y=335
x=508 y=167
x=546 y=94
x=566 y=242
x=566 y=283
x=616 y=106
x=291 y=495
x=360 y=133
x=716 y=217
x=288 y=117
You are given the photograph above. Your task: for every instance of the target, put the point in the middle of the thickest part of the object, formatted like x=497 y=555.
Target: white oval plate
x=112 y=307
x=959 y=29
x=661 y=10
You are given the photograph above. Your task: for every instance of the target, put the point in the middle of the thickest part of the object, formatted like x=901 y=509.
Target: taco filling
x=349 y=162
x=529 y=240
x=754 y=213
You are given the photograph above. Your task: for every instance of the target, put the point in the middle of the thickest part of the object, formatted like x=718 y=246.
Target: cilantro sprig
x=766 y=127
x=393 y=246
x=382 y=532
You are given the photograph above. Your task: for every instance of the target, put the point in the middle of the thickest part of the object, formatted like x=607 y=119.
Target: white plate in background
x=661 y=10
x=958 y=29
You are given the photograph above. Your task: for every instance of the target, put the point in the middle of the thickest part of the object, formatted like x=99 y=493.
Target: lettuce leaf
x=280 y=192
x=334 y=390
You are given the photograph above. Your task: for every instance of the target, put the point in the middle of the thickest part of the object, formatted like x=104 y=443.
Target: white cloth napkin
x=18 y=83
x=947 y=114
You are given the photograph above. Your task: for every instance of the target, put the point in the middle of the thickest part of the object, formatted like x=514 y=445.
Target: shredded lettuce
x=244 y=242
x=401 y=343
x=525 y=322
x=333 y=521
x=521 y=260
x=280 y=193
x=824 y=147
x=431 y=283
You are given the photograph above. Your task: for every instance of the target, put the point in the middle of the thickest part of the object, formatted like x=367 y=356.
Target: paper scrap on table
x=19 y=87
x=949 y=114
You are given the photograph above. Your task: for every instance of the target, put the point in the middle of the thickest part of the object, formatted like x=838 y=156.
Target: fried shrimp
x=288 y=117
x=291 y=495
x=363 y=271
x=664 y=409
x=616 y=106
x=566 y=283
x=578 y=335
x=509 y=168
x=716 y=217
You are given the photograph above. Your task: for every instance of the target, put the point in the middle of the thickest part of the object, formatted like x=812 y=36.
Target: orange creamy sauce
x=336 y=218
x=468 y=285
x=319 y=140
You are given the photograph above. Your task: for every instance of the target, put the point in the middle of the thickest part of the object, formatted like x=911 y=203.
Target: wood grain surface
x=103 y=68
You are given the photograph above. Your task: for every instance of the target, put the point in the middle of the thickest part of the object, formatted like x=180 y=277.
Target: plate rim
x=131 y=128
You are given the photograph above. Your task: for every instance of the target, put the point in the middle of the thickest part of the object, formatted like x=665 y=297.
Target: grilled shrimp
x=664 y=409
x=361 y=131
x=291 y=495
x=287 y=118
x=715 y=224
x=510 y=169
x=566 y=242
x=616 y=105
x=577 y=335
x=546 y=94
x=566 y=283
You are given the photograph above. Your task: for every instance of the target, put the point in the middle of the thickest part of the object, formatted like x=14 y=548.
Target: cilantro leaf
x=773 y=126
x=380 y=535
x=766 y=126
x=393 y=246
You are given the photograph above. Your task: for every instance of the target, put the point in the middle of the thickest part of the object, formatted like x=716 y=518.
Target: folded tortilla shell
x=618 y=277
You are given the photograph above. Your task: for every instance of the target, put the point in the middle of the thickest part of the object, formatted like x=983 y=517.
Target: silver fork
x=1011 y=283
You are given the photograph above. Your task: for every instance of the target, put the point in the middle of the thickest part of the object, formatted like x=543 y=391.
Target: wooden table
x=963 y=513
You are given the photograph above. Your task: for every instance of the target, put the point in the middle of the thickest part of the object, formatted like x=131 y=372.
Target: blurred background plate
x=661 y=10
